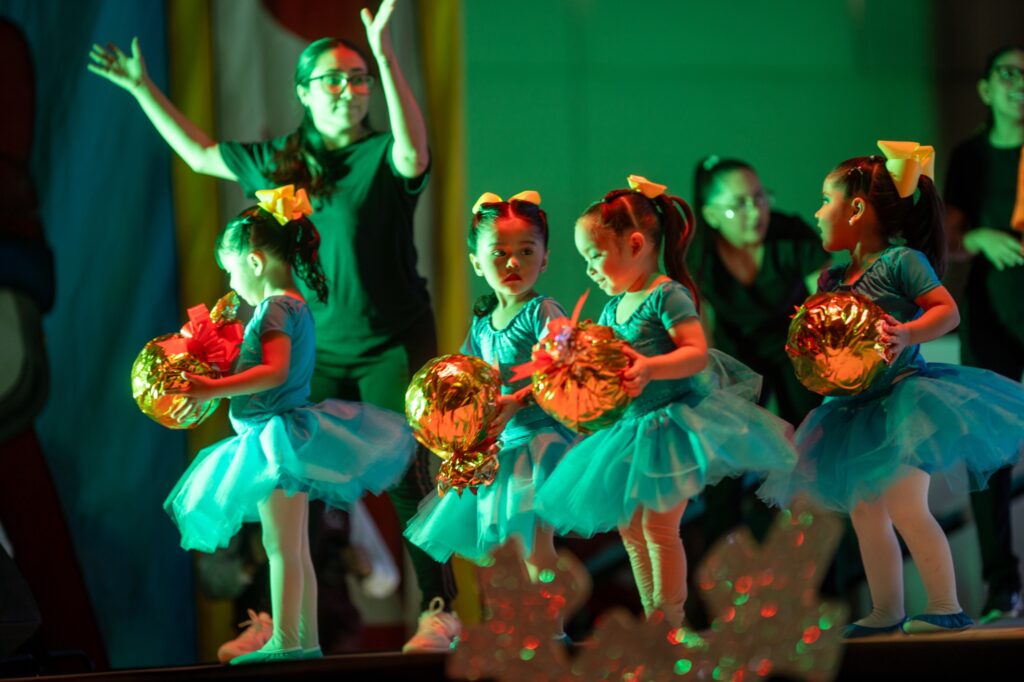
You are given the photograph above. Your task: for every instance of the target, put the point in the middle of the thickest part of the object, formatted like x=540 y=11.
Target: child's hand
x=185 y=410
x=128 y=72
x=508 y=405
x=895 y=336
x=198 y=388
x=638 y=374
x=378 y=34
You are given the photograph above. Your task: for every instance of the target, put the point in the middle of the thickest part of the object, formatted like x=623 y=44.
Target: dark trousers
x=380 y=378
x=992 y=338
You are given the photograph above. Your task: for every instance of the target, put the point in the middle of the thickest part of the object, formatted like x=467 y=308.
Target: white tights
x=903 y=505
x=658 y=559
x=285 y=522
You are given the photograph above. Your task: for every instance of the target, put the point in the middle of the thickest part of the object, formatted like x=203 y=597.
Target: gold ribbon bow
x=639 y=183
x=528 y=195
x=284 y=203
x=906 y=163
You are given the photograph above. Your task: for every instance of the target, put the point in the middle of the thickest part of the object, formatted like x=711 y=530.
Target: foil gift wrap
x=449 y=404
x=577 y=371
x=834 y=343
x=207 y=345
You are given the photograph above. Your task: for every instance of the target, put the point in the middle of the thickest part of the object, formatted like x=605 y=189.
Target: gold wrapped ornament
x=207 y=345
x=834 y=343
x=449 y=404
x=577 y=373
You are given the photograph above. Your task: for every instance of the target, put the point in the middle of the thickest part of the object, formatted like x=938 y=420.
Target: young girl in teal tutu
x=286 y=450
x=508 y=248
x=683 y=430
x=871 y=455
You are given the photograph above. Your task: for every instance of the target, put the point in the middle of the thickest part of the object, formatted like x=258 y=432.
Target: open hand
x=1002 y=249
x=128 y=72
x=378 y=34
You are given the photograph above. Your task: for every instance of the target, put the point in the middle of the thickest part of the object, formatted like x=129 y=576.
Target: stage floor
x=983 y=652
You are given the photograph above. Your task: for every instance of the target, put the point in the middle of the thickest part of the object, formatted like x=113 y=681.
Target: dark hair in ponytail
x=485 y=217
x=302 y=160
x=296 y=243
x=667 y=221
x=916 y=220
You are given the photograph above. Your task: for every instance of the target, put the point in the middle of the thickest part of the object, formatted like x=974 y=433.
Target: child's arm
x=272 y=372
x=409 y=153
x=940 y=317
x=689 y=358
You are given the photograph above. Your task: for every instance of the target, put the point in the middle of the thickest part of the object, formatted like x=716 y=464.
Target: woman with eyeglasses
x=377 y=326
x=752 y=265
x=981 y=190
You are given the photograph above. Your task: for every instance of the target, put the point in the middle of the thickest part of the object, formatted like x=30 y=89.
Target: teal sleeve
x=676 y=305
x=278 y=316
x=914 y=274
x=548 y=309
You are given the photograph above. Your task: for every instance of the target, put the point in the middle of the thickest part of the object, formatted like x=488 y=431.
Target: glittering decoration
x=517 y=640
x=834 y=343
x=770 y=620
x=577 y=373
x=207 y=346
x=449 y=404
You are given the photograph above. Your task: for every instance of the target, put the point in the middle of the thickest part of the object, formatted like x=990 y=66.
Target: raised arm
x=194 y=146
x=410 y=153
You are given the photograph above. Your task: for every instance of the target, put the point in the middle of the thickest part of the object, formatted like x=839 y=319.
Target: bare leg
x=283 y=520
x=636 y=547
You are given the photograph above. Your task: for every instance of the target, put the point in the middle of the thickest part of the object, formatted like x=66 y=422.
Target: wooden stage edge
x=984 y=652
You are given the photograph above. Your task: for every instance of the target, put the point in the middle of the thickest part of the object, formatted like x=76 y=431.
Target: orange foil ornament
x=577 y=373
x=834 y=343
x=207 y=345
x=449 y=404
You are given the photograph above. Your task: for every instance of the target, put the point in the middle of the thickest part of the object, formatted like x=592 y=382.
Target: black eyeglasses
x=1008 y=73
x=335 y=82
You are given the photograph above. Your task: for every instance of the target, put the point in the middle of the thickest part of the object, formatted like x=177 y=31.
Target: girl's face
x=244 y=273
x=835 y=218
x=1003 y=90
x=337 y=92
x=510 y=255
x=612 y=262
x=739 y=208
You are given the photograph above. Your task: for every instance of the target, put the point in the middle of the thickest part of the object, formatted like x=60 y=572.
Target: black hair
x=666 y=220
x=485 y=217
x=301 y=160
x=918 y=223
x=706 y=176
x=296 y=243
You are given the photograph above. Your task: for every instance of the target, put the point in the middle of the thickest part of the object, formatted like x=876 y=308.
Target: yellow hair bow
x=906 y=163
x=528 y=195
x=284 y=203
x=649 y=189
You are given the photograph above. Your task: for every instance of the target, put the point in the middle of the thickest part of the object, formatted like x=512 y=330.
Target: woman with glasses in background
x=376 y=326
x=983 y=183
x=752 y=265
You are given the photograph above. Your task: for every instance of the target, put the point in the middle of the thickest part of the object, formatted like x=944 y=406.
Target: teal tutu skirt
x=474 y=525
x=961 y=421
x=334 y=451
x=661 y=458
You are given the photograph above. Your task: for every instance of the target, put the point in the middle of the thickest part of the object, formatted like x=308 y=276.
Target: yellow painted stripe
x=190 y=47
x=443 y=71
